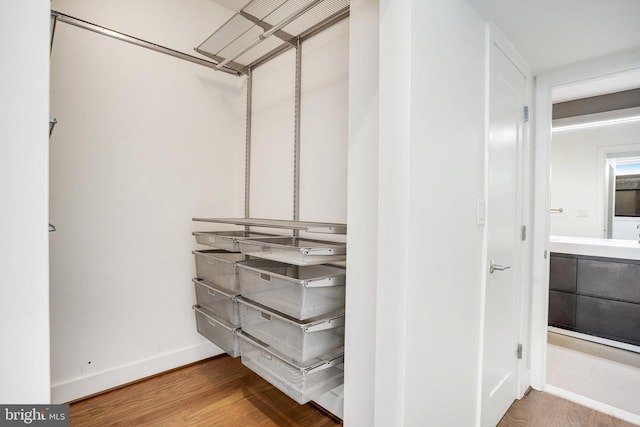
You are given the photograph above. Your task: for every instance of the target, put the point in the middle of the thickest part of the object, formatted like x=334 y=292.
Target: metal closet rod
x=67 y=19
x=283 y=23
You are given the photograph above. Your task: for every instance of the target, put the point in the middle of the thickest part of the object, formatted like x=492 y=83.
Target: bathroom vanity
x=594 y=288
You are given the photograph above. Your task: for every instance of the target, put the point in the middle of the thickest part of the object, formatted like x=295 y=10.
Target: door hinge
x=519 y=351
x=526 y=113
x=524 y=233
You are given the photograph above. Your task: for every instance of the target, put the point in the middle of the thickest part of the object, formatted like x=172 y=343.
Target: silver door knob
x=493 y=267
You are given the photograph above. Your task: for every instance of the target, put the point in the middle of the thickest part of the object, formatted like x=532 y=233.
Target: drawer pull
x=266 y=355
x=265 y=277
x=211 y=292
x=265 y=316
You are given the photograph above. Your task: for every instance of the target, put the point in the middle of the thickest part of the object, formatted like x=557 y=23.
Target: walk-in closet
x=202 y=122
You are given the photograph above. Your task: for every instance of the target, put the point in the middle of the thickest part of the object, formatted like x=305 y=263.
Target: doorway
x=618 y=72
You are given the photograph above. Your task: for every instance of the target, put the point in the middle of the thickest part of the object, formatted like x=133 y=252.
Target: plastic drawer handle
x=318 y=326
x=318 y=251
x=327 y=324
x=211 y=261
x=210 y=292
x=265 y=316
x=216 y=323
x=325 y=365
x=212 y=239
x=265 y=277
x=266 y=355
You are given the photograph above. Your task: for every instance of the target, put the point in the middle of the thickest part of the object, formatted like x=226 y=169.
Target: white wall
x=428 y=256
x=144 y=143
x=362 y=215
x=394 y=204
x=578 y=176
x=323 y=131
x=323 y=125
x=272 y=138
x=180 y=25
x=24 y=274
x=445 y=244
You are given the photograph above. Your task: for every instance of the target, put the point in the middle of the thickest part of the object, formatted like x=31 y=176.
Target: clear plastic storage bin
x=296 y=339
x=219 y=332
x=301 y=382
x=226 y=240
x=217 y=301
x=302 y=292
x=218 y=267
x=295 y=250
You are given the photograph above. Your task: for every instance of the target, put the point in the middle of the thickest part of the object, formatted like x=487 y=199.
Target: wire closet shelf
x=264 y=28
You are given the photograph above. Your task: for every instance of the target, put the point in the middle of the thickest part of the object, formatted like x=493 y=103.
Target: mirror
x=595 y=167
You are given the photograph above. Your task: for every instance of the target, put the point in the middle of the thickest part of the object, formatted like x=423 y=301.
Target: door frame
x=495 y=37
x=606 y=67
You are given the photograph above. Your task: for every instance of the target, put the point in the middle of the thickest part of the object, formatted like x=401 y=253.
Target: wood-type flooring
x=538 y=409
x=222 y=392
x=216 y=392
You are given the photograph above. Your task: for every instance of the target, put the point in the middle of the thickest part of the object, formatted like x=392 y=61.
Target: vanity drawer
x=562 y=309
x=609 y=279
x=562 y=273
x=616 y=320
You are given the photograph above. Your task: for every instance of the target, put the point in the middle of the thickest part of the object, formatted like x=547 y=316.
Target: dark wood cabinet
x=609 y=279
x=562 y=309
x=605 y=318
x=562 y=273
x=595 y=296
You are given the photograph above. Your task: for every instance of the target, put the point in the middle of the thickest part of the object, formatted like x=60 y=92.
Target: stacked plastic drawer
x=217 y=289
x=291 y=312
x=293 y=322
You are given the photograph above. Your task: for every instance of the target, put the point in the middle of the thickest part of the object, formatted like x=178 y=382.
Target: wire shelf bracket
x=245 y=40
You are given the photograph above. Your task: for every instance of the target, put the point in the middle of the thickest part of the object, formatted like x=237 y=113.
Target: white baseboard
x=87 y=385
x=597 y=340
x=593 y=404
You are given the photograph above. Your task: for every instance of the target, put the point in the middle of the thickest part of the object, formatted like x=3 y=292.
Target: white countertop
x=608 y=248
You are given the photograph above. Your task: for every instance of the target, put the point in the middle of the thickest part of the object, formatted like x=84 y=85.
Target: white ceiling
x=553 y=33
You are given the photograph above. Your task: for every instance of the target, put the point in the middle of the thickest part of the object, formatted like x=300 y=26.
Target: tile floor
x=596 y=371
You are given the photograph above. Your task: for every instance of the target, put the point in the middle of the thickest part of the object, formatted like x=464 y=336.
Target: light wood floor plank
x=539 y=409
x=221 y=392
x=218 y=392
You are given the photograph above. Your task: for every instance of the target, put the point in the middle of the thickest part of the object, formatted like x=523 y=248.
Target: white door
x=507 y=90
